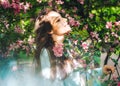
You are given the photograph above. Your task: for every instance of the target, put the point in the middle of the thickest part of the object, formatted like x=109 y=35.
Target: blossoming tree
x=95 y=28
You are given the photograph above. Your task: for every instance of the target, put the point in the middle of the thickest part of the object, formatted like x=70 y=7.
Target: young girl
x=52 y=65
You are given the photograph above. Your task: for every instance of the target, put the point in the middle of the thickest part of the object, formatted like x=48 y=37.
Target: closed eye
x=57 y=20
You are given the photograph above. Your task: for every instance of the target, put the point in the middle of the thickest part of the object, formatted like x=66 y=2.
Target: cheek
x=59 y=29
x=62 y=30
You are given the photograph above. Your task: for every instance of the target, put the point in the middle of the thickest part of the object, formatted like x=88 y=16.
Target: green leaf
x=104 y=84
x=112 y=18
x=119 y=78
x=84 y=34
x=68 y=0
x=22 y=55
x=115 y=61
x=96 y=59
x=1 y=35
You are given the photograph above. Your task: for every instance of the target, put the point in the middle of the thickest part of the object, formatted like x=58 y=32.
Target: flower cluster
x=59 y=1
x=110 y=25
x=58 y=50
x=20 y=44
x=16 y=5
x=18 y=30
x=72 y=21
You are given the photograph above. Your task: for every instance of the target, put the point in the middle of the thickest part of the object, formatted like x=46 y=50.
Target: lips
x=68 y=31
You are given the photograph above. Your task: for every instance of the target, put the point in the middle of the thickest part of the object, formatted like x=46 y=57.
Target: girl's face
x=59 y=24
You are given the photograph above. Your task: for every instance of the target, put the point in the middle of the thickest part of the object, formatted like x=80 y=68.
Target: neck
x=58 y=39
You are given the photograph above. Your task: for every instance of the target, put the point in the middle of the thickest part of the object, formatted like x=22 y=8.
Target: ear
x=51 y=32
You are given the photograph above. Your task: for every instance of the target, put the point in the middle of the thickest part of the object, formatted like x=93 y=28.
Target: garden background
x=95 y=28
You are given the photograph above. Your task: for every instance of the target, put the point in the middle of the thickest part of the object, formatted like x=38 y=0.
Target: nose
x=65 y=20
x=69 y=30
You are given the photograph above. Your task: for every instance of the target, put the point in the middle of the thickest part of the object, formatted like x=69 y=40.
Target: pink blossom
x=117 y=23
x=5 y=3
x=15 y=45
x=75 y=9
x=85 y=46
x=116 y=35
x=19 y=42
x=50 y=3
x=113 y=33
x=59 y=1
x=91 y=15
x=72 y=22
x=18 y=30
x=12 y=46
x=75 y=42
x=63 y=11
x=85 y=27
x=109 y=25
x=16 y=7
x=118 y=84
x=27 y=6
x=39 y=1
x=114 y=77
x=117 y=29
x=14 y=68
x=75 y=15
x=94 y=35
x=76 y=23
x=6 y=24
x=58 y=50
x=21 y=5
x=81 y=1
x=106 y=38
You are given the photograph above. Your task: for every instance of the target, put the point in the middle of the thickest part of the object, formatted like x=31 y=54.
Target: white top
x=45 y=63
x=74 y=79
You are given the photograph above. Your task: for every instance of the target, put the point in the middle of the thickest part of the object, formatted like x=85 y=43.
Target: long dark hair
x=44 y=40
